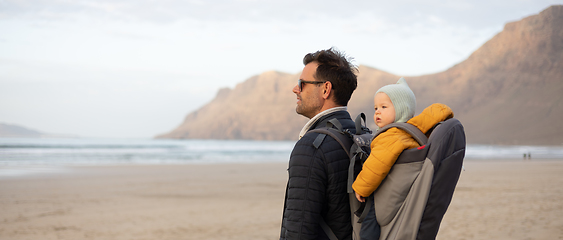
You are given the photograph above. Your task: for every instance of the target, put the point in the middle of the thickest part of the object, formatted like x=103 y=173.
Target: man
x=316 y=189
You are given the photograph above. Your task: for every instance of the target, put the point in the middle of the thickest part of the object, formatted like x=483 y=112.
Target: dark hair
x=335 y=67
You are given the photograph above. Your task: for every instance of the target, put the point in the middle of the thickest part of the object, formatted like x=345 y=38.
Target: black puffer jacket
x=317 y=186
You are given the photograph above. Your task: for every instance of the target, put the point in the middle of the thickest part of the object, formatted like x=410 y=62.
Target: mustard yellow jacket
x=387 y=146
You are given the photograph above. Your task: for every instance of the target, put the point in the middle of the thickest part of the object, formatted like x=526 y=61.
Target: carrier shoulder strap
x=333 y=129
x=345 y=142
x=409 y=128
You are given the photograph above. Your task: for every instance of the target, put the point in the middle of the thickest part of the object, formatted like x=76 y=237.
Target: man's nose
x=296 y=89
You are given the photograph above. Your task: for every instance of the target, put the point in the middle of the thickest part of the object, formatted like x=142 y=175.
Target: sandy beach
x=501 y=199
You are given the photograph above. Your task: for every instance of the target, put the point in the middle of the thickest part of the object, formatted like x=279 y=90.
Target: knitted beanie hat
x=403 y=99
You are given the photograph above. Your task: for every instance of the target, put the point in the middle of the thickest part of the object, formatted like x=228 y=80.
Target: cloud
x=177 y=54
x=472 y=13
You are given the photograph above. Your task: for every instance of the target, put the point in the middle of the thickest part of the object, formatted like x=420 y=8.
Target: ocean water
x=70 y=152
x=18 y=151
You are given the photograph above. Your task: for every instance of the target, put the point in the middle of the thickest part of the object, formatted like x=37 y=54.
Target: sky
x=135 y=69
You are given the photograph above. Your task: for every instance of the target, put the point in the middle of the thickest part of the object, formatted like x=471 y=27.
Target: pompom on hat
x=403 y=99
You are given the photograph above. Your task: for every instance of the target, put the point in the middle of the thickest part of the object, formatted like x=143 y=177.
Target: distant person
x=393 y=103
x=316 y=193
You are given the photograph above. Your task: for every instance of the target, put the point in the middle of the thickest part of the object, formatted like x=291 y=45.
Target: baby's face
x=384 y=110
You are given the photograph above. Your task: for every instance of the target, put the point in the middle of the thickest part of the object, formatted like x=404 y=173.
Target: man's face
x=309 y=99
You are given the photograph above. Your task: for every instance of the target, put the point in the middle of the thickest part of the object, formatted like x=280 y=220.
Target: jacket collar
x=313 y=122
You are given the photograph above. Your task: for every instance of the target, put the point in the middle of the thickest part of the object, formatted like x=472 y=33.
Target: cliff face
x=509 y=91
x=260 y=108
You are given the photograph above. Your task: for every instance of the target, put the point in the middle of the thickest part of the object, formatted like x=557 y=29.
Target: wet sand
x=494 y=200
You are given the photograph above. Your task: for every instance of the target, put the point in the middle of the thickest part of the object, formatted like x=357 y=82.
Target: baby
x=394 y=103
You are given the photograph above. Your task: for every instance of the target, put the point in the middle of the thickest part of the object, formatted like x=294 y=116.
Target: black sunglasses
x=300 y=83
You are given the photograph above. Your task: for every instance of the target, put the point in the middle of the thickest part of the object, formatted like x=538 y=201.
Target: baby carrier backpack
x=412 y=200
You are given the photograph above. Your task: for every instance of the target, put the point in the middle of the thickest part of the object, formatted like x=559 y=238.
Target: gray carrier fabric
x=413 y=198
x=447 y=161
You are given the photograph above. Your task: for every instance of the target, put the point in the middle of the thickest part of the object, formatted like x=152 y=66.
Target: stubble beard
x=299 y=110
x=307 y=109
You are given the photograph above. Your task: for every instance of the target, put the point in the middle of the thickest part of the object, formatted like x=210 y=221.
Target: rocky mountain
x=9 y=130
x=259 y=108
x=509 y=91
x=17 y=131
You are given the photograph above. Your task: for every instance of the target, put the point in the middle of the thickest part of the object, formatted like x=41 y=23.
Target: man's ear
x=327 y=89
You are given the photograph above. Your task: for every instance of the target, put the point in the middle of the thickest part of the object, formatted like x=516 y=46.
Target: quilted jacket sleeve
x=430 y=116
